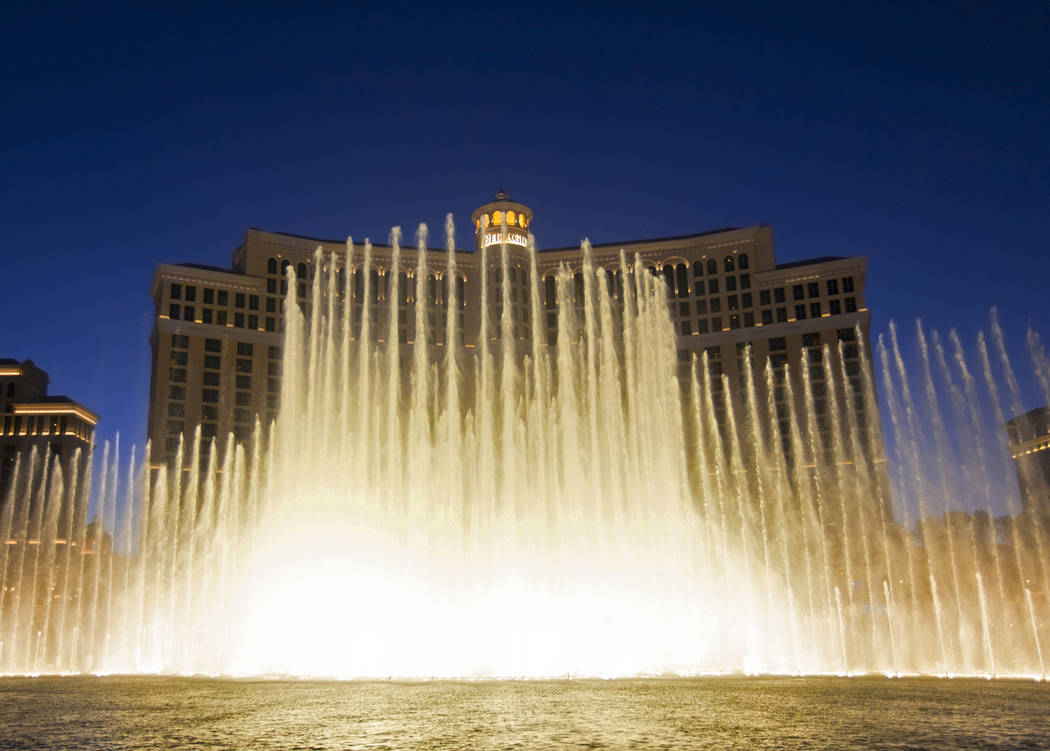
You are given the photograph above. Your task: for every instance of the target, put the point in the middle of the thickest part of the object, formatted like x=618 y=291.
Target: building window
x=191 y=293
x=851 y=305
x=734 y=321
x=833 y=286
x=271 y=323
x=212 y=361
x=253 y=302
x=206 y=315
x=188 y=312
x=763 y=297
x=271 y=266
x=175 y=291
x=273 y=385
x=176 y=409
x=777 y=344
x=180 y=341
x=271 y=286
x=698 y=269
x=173 y=311
x=300 y=271
x=274 y=353
x=834 y=307
x=728 y=264
x=220 y=317
x=779 y=295
x=712 y=286
x=716 y=323
x=210 y=396
x=244 y=382
x=180 y=358
x=782 y=315
x=238 y=320
x=730 y=283
x=685 y=328
x=797 y=292
x=701 y=307
x=749 y=319
x=211 y=378
x=238 y=300
x=745 y=281
x=800 y=312
x=732 y=302
x=209 y=413
x=745 y=300
x=712 y=267
x=253 y=321
x=177 y=392
x=814 y=310
x=177 y=375
x=767 y=317
x=244 y=366
x=813 y=289
x=847 y=284
x=243 y=398
x=209 y=296
x=716 y=304
x=224 y=297
x=847 y=335
x=742 y=262
x=271 y=304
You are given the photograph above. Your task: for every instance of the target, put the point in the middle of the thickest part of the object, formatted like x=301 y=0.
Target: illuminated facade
x=217 y=336
x=1029 y=436
x=56 y=426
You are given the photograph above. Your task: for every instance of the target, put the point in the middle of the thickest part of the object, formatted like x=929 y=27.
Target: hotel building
x=1029 y=438
x=56 y=426
x=216 y=340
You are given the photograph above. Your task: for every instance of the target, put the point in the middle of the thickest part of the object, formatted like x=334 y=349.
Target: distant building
x=1029 y=436
x=56 y=426
x=216 y=338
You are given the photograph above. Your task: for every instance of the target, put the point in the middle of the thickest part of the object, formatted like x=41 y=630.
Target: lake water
x=708 y=713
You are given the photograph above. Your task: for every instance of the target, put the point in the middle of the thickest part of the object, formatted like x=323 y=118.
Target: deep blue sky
x=917 y=136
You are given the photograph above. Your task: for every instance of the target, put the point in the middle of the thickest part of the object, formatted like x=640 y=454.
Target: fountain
x=522 y=510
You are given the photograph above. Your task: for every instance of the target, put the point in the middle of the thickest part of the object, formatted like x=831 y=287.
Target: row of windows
x=45 y=425
x=810 y=290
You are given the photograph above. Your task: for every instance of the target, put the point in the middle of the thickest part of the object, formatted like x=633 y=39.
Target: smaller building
x=1029 y=436
x=56 y=426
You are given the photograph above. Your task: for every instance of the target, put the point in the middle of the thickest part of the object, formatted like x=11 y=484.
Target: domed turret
x=502 y=221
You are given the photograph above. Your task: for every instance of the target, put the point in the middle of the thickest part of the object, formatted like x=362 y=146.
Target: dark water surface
x=711 y=713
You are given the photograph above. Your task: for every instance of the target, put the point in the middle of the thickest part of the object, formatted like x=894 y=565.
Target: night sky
x=915 y=136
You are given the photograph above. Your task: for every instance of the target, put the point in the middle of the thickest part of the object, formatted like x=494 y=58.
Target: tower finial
x=501 y=195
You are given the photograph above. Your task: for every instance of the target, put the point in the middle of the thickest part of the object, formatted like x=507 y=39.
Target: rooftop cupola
x=502 y=221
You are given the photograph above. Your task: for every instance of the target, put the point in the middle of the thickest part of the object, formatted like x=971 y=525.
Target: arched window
x=10 y=391
x=484 y=221
x=682 y=279
x=521 y=221
x=341 y=281
x=729 y=265
x=461 y=291
x=359 y=283
x=512 y=217
x=712 y=267
x=669 y=278
x=698 y=269
x=374 y=282
x=432 y=289
x=284 y=266
x=741 y=261
x=271 y=266
x=497 y=218
x=300 y=271
x=404 y=293
x=550 y=290
x=610 y=282
x=578 y=279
